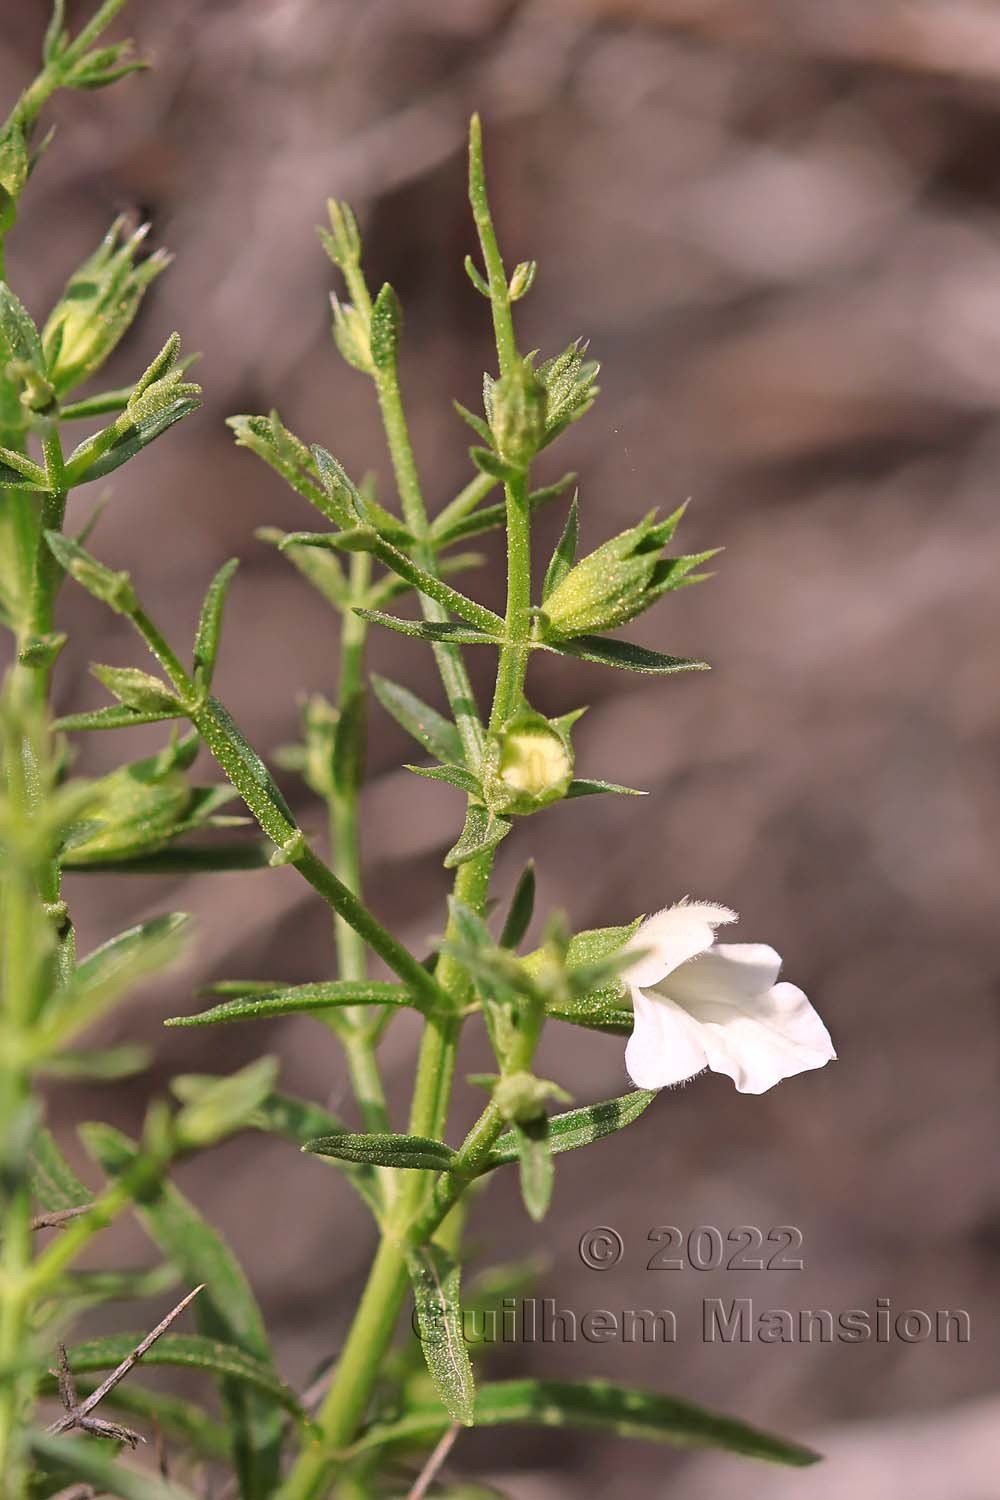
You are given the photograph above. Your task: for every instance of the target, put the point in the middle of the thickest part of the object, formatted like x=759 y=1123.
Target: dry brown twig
x=78 y=1412
x=430 y=1469
x=60 y=1217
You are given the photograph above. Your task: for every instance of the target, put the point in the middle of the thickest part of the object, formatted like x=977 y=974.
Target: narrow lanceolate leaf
x=455 y=524
x=417 y=1152
x=430 y=729
x=139 y=691
x=536 y=1172
x=564 y=556
x=579 y=1127
x=186 y=1350
x=602 y=1406
x=522 y=906
x=483 y=830
x=226 y=1311
x=106 y=1064
x=104 y=976
x=182 y=859
x=613 y=653
x=435 y=1276
x=350 y=744
x=214 y=1108
x=301 y=998
x=87 y=1461
x=116 y=716
x=206 y=641
x=588 y=788
x=19 y=473
x=456 y=776
x=54 y=1184
x=295 y=1120
x=443 y=632
x=240 y=760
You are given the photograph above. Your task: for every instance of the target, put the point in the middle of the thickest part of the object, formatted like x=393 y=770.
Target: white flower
x=702 y=1004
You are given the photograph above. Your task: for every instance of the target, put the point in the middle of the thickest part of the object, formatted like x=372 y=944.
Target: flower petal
x=753 y=1031
x=747 y=969
x=671 y=937
x=666 y=1044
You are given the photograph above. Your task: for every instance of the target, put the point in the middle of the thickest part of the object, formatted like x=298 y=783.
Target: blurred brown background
x=779 y=224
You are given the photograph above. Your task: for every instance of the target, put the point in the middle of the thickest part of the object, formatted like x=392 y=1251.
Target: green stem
x=500 y=305
x=418 y=1213
x=517 y=632
x=375 y=1321
x=450 y=663
x=352 y=954
x=19 y=928
x=44 y=86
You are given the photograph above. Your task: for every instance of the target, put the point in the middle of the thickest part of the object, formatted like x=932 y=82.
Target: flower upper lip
x=701 y=1004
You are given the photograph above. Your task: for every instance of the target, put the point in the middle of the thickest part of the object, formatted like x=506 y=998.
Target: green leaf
x=430 y=729
x=413 y=1151
x=104 y=976
x=19 y=473
x=281 y=450
x=345 y=505
x=442 y=632
x=613 y=653
x=181 y=859
x=139 y=691
x=536 y=1171
x=602 y=1406
x=488 y=462
x=131 y=432
x=187 y=1350
x=454 y=525
x=87 y=1460
x=218 y=728
x=454 y=775
x=227 y=1313
x=564 y=555
x=224 y=1105
x=113 y=717
x=478 y=281
x=522 y=906
x=206 y=641
x=579 y=1127
x=295 y=1120
x=320 y=568
x=477 y=424
x=588 y=788
x=53 y=1182
x=482 y=831
x=435 y=1277
x=139 y=808
x=106 y=1064
x=386 y=328
x=113 y=589
x=299 y=999
x=350 y=744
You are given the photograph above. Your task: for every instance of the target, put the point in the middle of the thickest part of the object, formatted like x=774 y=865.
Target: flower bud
x=618 y=581
x=97 y=305
x=527 y=765
x=521 y=1097
x=517 y=415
